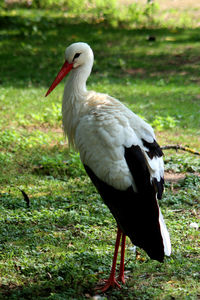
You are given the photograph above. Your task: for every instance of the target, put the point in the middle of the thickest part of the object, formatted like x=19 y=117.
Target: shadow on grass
x=32 y=49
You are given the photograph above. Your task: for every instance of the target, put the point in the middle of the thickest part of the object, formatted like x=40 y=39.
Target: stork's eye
x=76 y=56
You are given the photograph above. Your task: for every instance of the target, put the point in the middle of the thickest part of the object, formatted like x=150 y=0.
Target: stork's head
x=77 y=55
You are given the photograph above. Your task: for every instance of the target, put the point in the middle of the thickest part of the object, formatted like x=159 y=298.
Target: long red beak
x=66 y=68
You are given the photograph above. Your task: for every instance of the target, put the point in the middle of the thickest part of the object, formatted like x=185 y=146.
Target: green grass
x=60 y=246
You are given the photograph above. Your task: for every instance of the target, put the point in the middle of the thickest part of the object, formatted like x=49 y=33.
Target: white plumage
x=97 y=123
x=165 y=235
x=101 y=128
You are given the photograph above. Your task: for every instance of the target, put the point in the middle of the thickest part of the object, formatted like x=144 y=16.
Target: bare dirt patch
x=174 y=177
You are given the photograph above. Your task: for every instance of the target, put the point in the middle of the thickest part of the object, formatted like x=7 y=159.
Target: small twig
x=178 y=147
x=26 y=198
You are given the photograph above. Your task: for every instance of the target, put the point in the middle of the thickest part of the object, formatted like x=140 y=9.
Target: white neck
x=75 y=93
x=76 y=83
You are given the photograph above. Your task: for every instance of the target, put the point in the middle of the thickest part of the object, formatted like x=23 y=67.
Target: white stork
x=121 y=156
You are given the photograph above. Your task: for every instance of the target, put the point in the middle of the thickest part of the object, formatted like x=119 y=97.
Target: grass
x=60 y=245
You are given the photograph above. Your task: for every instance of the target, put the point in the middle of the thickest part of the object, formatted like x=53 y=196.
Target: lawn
x=56 y=235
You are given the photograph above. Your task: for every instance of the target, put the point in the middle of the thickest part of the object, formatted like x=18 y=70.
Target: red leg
x=121 y=271
x=112 y=280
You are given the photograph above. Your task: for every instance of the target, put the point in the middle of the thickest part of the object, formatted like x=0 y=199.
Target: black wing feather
x=153 y=149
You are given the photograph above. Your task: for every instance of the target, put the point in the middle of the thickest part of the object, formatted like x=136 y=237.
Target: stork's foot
x=121 y=279
x=112 y=281
x=108 y=283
